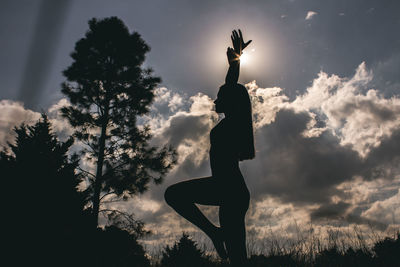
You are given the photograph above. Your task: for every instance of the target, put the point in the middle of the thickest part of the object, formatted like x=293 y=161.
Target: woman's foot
x=218 y=241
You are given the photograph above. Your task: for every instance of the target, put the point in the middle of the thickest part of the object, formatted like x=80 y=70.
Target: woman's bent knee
x=171 y=195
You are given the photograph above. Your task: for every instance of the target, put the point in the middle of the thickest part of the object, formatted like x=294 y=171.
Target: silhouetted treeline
x=39 y=181
x=46 y=223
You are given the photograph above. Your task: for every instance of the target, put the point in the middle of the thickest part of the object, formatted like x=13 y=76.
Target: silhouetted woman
x=231 y=141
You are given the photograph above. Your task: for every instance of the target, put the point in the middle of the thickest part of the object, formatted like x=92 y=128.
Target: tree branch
x=106 y=194
x=82 y=170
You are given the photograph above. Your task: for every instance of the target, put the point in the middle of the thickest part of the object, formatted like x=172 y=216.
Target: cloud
x=386 y=211
x=331 y=211
x=357 y=116
x=166 y=102
x=327 y=156
x=311 y=14
x=297 y=169
x=187 y=128
x=266 y=102
x=59 y=124
x=307 y=149
x=13 y=114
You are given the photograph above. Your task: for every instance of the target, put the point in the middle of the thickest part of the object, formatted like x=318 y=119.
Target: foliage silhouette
x=386 y=251
x=49 y=225
x=108 y=88
x=117 y=247
x=382 y=253
x=272 y=260
x=333 y=257
x=41 y=177
x=184 y=253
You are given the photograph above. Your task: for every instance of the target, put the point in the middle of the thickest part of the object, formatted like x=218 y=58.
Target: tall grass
x=336 y=246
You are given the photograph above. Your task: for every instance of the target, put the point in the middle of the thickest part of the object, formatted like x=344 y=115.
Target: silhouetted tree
x=184 y=253
x=44 y=207
x=108 y=88
x=116 y=247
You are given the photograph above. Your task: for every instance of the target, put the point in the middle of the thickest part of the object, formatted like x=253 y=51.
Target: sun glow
x=244 y=58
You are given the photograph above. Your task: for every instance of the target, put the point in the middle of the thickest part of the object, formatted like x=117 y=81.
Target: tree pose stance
x=231 y=141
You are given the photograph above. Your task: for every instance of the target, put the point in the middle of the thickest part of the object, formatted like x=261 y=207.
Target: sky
x=324 y=81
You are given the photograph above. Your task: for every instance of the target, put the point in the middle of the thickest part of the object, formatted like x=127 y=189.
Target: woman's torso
x=223 y=150
x=224 y=160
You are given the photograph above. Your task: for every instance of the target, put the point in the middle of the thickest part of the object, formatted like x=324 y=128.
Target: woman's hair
x=240 y=106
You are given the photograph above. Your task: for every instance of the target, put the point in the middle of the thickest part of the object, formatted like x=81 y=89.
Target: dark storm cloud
x=333 y=212
x=307 y=170
x=330 y=211
x=360 y=220
x=297 y=169
x=187 y=130
x=44 y=44
x=384 y=160
x=178 y=132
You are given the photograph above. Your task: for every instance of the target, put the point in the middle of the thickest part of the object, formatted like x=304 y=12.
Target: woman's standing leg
x=182 y=198
x=232 y=219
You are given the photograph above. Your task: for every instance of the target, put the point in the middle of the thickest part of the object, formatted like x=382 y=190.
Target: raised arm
x=232 y=76
x=233 y=55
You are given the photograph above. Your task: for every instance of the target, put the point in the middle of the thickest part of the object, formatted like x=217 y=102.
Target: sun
x=244 y=58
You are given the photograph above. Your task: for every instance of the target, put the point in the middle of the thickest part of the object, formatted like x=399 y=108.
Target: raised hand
x=232 y=55
x=237 y=40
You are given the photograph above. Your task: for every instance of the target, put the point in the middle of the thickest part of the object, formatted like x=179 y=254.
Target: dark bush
x=184 y=253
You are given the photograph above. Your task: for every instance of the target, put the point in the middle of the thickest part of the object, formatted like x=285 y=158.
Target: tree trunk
x=99 y=171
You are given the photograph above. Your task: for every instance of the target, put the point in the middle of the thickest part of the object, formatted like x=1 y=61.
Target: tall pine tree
x=108 y=88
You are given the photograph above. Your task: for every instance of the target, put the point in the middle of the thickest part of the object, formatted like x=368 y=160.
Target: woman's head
x=231 y=99
x=234 y=101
